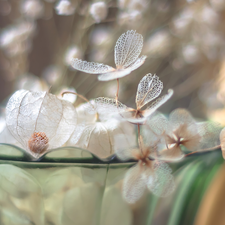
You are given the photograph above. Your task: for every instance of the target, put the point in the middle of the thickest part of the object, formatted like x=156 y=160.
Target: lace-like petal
x=140 y=61
x=156 y=104
x=149 y=88
x=114 y=75
x=209 y=133
x=156 y=126
x=180 y=116
x=128 y=48
x=108 y=107
x=90 y=67
x=171 y=154
x=134 y=184
x=161 y=183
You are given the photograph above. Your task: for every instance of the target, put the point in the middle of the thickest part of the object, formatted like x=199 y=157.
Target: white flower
x=65 y=7
x=180 y=130
x=97 y=126
x=39 y=121
x=148 y=89
x=99 y=11
x=127 y=50
x=153 y=174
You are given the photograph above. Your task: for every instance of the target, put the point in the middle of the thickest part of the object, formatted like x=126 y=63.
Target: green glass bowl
x=71 y=186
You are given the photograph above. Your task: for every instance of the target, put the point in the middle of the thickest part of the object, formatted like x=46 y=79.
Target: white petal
x=210 y=133
x=156 y=125
x=128 y=48
x=90 y=67
x=161 y=183
x=180 y=116
x=134 y=184
x=108 y=107
x=114 y=74
x=140 y=61
x=156 y=104
x=30 y=112
x=149 y=88
x=125 y=142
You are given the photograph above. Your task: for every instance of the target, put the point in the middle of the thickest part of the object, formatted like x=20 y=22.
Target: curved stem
x=80 y=96
x=117 y=92
x=139 y=139
x=203 y=150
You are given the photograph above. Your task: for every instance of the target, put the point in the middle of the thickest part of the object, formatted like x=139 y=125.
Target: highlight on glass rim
x=112 y=112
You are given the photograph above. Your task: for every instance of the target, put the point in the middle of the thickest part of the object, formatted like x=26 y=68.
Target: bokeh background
x=184 y=42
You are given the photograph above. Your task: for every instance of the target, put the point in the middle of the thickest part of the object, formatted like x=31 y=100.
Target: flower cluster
x=39 y=122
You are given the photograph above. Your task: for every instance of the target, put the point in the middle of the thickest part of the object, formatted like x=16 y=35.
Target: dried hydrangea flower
x=64 y=7
x=153 y=174
x=39 y=121
x=180 y=130
x=148 y=89
x=99 y=11
x=97 y=126
x=127 y=50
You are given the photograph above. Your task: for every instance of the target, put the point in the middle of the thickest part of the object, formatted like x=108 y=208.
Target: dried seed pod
x=38 y=143
x=39 y=121
x=97 y=126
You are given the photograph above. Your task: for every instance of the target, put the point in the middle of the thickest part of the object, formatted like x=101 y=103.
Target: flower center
x=38 y=143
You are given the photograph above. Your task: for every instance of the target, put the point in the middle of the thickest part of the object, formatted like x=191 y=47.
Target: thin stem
x=139 y=139
x=203 y=150
x=117 y=92
x=81 y=96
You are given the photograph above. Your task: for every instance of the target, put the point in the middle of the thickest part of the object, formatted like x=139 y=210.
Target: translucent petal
x=123 y=148
x=222 y=142
x=128 y=48
x=189 y=136
x=134 y=184
x=108 y=107
x=171 y=154
x=90 y=67
x=34 y=112
x=140 y=61
x=114 y=74
x=149 y=88
x=161 y=183
x=155 y=127
x=97 y=139
x=209 y=133
x=180 y=116
x=156 y=104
